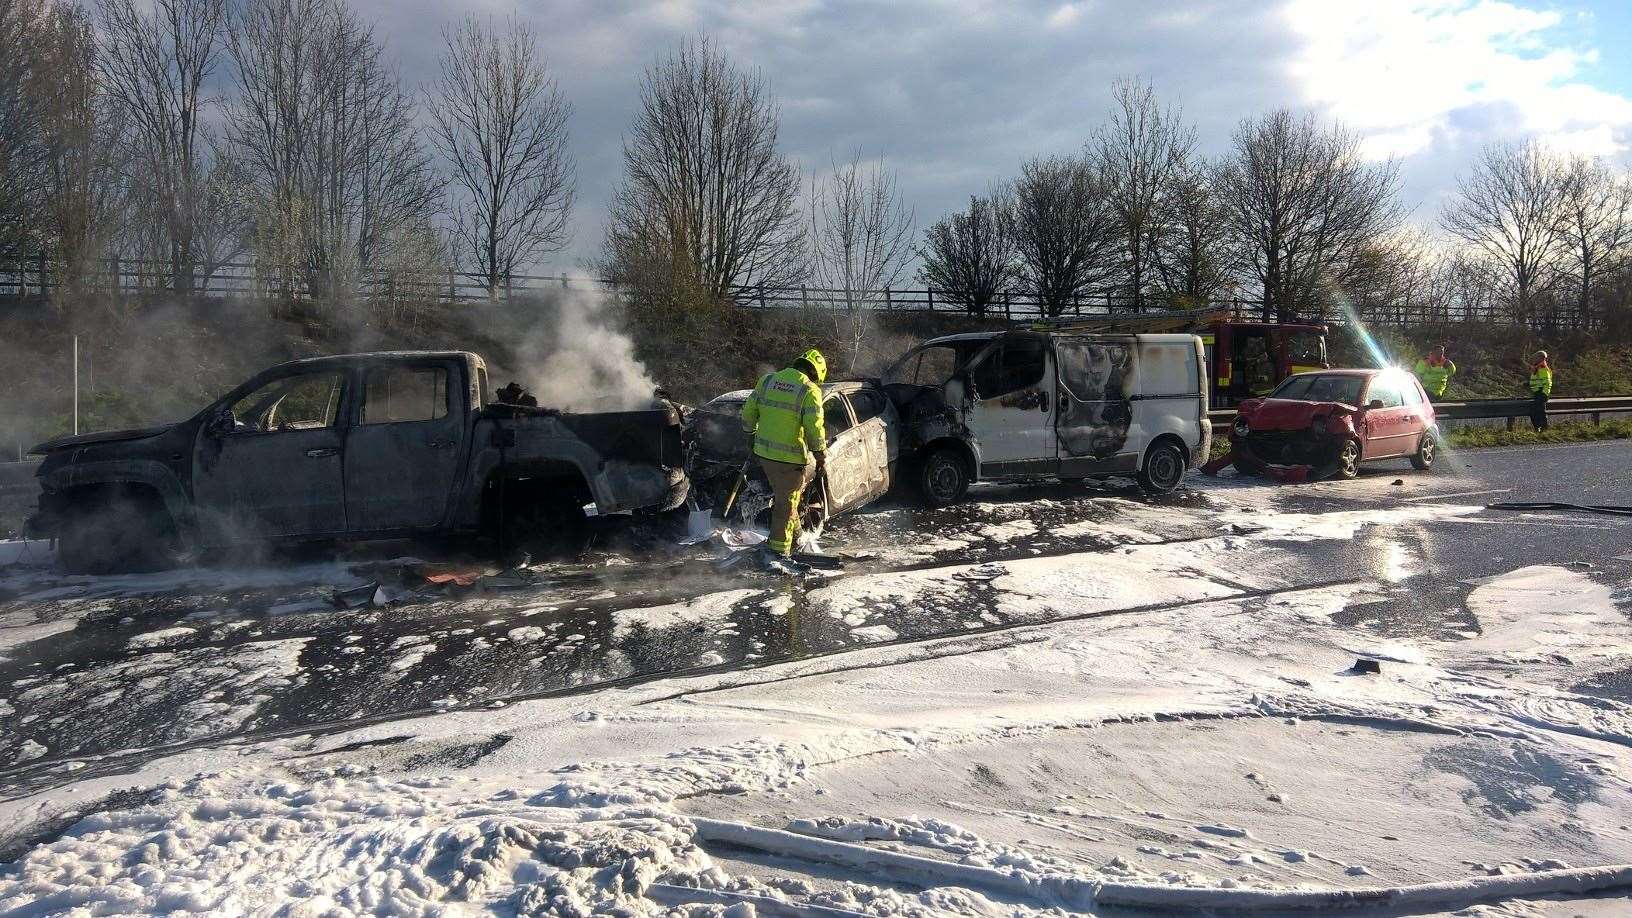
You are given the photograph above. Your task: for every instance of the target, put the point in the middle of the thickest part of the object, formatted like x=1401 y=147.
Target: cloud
x=1401 y=72
x=954 y=94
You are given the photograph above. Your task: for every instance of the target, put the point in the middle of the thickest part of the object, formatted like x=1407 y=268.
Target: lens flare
x=1379 y=357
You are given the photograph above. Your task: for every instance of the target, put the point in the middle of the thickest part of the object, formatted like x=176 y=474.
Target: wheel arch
x=971 y=458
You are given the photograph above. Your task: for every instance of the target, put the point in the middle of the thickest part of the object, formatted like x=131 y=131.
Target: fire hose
x=1610 y=509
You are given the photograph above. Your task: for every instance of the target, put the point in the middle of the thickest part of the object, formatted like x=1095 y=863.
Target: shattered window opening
x=931 y=366
x=310 y=401
x=1016 y=364
x=866 y=404
x=835 y=416
x=400 y=394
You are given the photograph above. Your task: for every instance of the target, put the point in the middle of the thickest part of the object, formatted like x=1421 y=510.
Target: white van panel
x=1167 y=369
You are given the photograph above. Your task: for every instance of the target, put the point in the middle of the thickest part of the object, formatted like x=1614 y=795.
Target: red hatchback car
x=1328 y=422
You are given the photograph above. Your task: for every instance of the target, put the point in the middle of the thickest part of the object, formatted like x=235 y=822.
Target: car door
x=274 y=469
x=1010 y=406
x=1386 y=427
x=1095 y=413
x=871 y=411
x=1416 y=414
x=403 y=453
x=848 y=463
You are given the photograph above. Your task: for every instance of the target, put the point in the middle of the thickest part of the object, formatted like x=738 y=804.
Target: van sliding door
x=1094 y=413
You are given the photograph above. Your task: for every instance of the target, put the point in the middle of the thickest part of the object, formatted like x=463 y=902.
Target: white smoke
x=576 y=360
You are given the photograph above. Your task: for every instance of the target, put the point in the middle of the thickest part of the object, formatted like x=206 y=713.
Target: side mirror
x=222 y=423
x=1374 y=404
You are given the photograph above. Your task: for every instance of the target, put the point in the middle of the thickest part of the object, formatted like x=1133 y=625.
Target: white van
x=1050 y=404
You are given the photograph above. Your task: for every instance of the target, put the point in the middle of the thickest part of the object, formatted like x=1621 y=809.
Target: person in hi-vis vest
x=784 y=417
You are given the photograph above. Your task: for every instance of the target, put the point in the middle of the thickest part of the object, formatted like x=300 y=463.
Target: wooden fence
x=36 y=275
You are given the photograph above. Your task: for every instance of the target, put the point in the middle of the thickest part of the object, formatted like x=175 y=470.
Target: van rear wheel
x=943 y=478
x=1163 y=469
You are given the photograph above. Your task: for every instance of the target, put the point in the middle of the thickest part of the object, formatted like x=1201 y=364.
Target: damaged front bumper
x=1286 y=455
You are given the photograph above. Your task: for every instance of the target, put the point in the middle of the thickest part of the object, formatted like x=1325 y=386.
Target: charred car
x=863 y=433
x=1316 y=425
x=354 y=447
x=1054 y=403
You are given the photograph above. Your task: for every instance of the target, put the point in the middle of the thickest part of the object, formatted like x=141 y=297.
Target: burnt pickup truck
x=350 y=448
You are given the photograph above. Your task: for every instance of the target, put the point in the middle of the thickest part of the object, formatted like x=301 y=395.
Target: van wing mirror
x=1374 y=404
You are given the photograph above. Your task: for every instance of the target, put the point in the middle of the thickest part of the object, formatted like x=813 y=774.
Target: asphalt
x=176 y=661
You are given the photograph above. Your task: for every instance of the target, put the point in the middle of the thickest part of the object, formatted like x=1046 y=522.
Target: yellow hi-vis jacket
x=1434 y=376
x=1541 y=378
x=784 y=414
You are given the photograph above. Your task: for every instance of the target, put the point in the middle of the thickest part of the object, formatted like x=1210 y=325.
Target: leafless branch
x=501 y=125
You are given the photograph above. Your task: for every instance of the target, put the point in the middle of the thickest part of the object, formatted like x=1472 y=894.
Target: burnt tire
x=1427 y=451
x=1163 y=469
x=943 y=477
x=117 y=534
x=1348 y=461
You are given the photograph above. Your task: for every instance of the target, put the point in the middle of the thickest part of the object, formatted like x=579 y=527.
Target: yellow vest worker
x=1435 y=372
x=784 y=416
x=1541 y=388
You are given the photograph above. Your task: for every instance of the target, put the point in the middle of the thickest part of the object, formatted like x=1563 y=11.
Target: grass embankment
x=1568 y=432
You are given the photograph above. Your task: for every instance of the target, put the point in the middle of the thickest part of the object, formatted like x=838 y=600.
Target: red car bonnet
x=1285 y=414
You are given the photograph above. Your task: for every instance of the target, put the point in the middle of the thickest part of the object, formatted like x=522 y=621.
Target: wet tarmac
x=125 y=669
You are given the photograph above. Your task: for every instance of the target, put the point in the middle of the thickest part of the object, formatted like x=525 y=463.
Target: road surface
x=100 y=674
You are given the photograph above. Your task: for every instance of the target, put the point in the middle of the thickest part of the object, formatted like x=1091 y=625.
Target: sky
x=954 y=94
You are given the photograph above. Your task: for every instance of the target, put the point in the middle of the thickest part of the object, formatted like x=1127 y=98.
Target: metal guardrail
x=1510 y=408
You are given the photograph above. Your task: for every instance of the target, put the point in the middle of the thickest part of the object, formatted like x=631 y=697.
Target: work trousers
x=787 y=484
x=1538 y=410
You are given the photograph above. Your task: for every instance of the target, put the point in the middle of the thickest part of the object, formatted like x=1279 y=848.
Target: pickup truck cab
x=1030 y=404
x=352 y=447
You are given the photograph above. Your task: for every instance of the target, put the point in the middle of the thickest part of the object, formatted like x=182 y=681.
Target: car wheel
x=1348 y=461
x=118 y=535
x=1163 y=469
x=1427 y=450
x=943 y=478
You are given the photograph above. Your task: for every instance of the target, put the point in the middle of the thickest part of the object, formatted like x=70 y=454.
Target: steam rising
x=575 y=359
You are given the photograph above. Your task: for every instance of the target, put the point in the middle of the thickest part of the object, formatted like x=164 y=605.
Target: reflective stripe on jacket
x=1434 y=376
x=1541 y=379
x=784 y=414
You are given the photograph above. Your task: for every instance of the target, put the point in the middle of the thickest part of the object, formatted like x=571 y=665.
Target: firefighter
x=1541 y=389
x=784 y=418
x=1435 y=372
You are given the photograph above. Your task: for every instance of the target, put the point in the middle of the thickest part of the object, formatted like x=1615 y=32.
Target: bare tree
x=1304 y=205
x=861 y=239
x=1595 y=217
x=324 y=135
x=156 y=60
x=1138 y=153
x=1190 y=248
x=1509 y=211
x=706 y=199
x=500 y=123
x=1065 y=230
x=969 y=257
x=83 y=196
x=22 y=154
